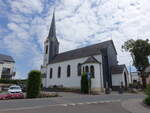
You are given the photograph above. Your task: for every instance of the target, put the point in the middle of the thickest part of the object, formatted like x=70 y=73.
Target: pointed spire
x=52 y=31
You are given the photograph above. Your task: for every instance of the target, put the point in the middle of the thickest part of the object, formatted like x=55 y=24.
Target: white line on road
x=69 y=104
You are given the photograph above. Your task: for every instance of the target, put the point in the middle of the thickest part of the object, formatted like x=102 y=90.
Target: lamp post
x=89 y=81
x=107 y=91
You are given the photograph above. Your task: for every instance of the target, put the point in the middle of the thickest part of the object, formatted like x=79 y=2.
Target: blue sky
x=24 y=26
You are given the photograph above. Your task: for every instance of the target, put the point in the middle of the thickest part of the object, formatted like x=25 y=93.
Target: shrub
x=147 y=101
x=34 y=84
x=5 y=81
x=48 y=94
x=147 y=92
x=85 y=84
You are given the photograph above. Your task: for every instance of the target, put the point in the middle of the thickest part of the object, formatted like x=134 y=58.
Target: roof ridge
x=86 y=46
x=4 y=57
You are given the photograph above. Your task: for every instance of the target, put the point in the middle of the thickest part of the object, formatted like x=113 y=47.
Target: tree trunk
x=143 y=81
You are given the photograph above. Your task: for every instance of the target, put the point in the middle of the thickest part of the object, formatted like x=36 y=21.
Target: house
x=135 y=76
x=66 y=68
x=120 y=76
x=6 y=67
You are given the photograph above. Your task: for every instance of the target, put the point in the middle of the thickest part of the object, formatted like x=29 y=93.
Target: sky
x=24 y=26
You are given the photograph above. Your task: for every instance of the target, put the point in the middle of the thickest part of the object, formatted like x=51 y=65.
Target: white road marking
x=80 y=103
x=65 y=105
x=88 y=103
x=72 y=104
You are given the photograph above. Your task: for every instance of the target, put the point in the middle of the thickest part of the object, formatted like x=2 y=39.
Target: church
x=65 y=69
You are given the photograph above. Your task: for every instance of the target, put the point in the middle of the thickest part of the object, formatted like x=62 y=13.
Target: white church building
x=65 y=69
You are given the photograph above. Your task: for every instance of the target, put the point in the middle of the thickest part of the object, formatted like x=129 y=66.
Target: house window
x=79 y=69
x=68 y=71
x=86 y=69
x=46 y=49
x=92 y=71
x=83 y=69
x=6 y=71
x=59 y=72
x=51 y=73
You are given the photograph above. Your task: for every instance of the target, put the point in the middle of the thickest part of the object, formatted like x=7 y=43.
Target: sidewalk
x=135 y=106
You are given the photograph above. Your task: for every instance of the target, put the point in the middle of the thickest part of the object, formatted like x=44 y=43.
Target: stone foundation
x=97 y=90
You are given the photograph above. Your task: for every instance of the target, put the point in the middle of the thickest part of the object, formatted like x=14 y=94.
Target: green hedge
x=147 y=101
x=4 y=81
x=34 y=84
x=147 y=92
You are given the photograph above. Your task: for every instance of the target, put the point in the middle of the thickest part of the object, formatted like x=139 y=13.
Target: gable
x=118 y=69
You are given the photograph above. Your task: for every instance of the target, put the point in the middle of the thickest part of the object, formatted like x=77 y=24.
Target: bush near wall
x=85 y=84
x=34 y=84
x=147 y=92
x=4 y=81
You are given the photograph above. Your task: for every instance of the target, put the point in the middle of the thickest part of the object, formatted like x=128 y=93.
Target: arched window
x=79 y=69
x=86 y=69
x=68 y=71
x=59 y=72
x=92 y=71
x=51 y=73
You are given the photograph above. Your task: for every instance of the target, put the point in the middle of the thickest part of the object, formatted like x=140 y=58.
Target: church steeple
x=51 y=43
x=52 y=31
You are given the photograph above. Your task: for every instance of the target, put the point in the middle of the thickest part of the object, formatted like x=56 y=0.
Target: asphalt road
x=92 y=108
x=70 y=103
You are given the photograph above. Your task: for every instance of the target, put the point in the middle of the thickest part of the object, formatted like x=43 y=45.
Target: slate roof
x=117 y=69
x=6 y=58
x=91 y=59
x=83 y=52
x=52 y=31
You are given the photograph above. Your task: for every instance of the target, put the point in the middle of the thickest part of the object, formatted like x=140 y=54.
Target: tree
x=85 y=83
x=140 y=50
x=33 y=84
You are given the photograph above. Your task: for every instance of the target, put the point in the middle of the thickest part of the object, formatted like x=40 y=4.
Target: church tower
x=51 y=45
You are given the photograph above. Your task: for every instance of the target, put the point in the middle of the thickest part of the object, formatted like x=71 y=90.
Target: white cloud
x=27 y=6
x=78 y=23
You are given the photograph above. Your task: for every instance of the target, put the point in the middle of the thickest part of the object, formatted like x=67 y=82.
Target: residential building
x=6 y=67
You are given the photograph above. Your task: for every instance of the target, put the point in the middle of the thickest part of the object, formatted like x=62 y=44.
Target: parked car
x=14 y=89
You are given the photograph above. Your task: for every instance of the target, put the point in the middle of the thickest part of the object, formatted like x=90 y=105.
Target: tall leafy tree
x=140 y=50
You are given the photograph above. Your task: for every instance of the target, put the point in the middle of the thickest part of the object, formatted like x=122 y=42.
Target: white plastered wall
x=1 y=67
x=74 y=80
x=118 y=78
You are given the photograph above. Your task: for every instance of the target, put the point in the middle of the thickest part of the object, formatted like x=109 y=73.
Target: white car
x=14 y=89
